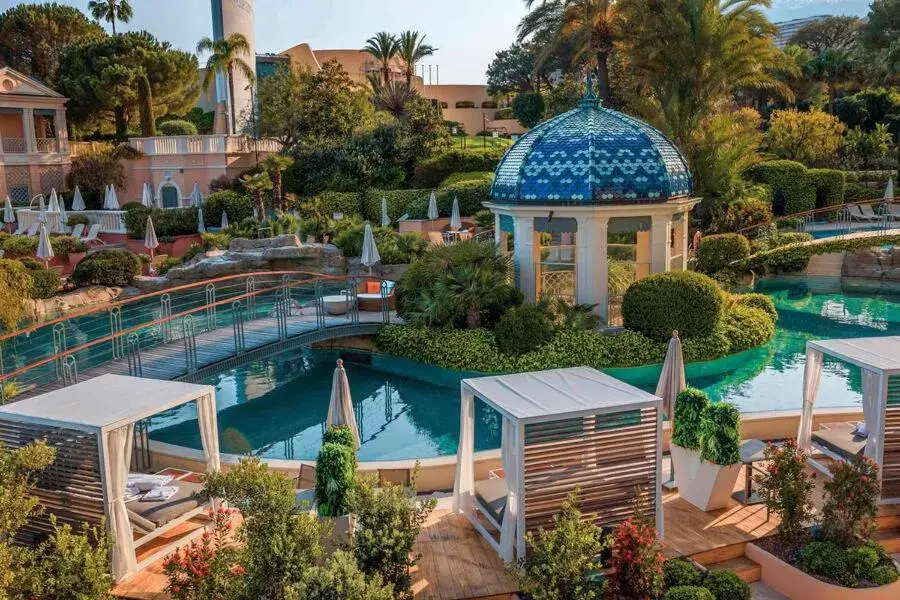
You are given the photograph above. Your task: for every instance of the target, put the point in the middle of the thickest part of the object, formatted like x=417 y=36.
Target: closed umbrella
x=370 y=254
x=147 y=196
x=196 y=196
x=44 y=249
x=455 y=222
x=340 y=406
x=201 y=227
x=432 y=207
x=9 y=215
x=150 y=241
x=105 y=196
x=385 y=219
x=112 y=201
x=63 y=217
x=671 y=382
x=77 y=200
x=224 y=224
x=53 y=205
x=889 y=190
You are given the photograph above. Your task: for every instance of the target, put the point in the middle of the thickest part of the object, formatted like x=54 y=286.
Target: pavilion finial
x=589 y=98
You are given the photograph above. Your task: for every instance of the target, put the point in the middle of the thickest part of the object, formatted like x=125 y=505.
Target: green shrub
x=690 y=406
x=883 y=575
x=20 y=245
x=335 y=477
x=74 y=220
x=469 y=194
x=44 y=283
x=528 y=107
x=681 y=572
x=829 y=184
x=339 y=434
x=747 y=327
x=429 y=173
x=720 y=434
x=347 y=203
x=853 y=192
x=15 y=283
x=861 y=561
x=760 y=301
x=717 y=252
x=93 y=171
x=478 y=176
x=726 y=585
x=177 y=127
x=484 y=219
x=166 y=221
x=339 y=579
x=394 y=248
x=784 y=255
x=746 y=212
x=791 y=179
x=64 y=244
x=504 y=113
x=107 y=267
x=687 y=302
x=521 y=329
x=211 y=241
x=237 y=206
x=827 y=559
x=688 y=592
x=168 y=264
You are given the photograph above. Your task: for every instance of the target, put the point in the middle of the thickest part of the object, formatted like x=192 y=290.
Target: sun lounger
x=840 y=441
x=91 y=237
x=868 y=211
x=188 y=497
x=77 y=231
x=491 y=497
x=857 y=215
x=436 y=238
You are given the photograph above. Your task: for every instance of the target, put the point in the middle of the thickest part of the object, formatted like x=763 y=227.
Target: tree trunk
x=831 y=94
x=260 y=207
x=409 y=76
x=603 y=91
x=387 y=74
x=277 y=195
x=145 y=104
x=473 y=317
x=232 y=111
x=113 y=23
x=121 y=124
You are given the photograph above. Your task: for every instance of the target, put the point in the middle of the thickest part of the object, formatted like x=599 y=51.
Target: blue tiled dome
x=591 y=155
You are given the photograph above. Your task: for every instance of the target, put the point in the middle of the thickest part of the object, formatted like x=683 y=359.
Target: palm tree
x=111 y=11
x=257 y=184
x=226 y=56
x=474 y=288
x=834 y=68
x=274 y=164
x=412 y=49
x=383 y=47
x=590 y=27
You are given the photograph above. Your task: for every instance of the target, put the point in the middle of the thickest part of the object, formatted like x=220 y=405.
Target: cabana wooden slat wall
x=610 y=458
x=890 y=473
x=71 y=487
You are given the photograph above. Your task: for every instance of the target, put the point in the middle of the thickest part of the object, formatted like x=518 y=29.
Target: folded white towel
x=861 y=430
x=144 y=483
x=160 y=494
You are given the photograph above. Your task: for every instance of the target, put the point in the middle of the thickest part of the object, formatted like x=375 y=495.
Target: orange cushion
x=373 y=287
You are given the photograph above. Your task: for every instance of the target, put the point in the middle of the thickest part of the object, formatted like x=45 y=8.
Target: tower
x=234 y=16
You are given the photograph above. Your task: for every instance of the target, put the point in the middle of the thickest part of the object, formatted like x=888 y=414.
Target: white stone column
x=497 y=236
x=660 y=238
x=592 y=270
x=62 y=131
x=523 y=228
x=28 y=130
x=681 y=240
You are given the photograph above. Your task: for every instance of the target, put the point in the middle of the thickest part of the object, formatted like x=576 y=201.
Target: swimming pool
x=275 y=408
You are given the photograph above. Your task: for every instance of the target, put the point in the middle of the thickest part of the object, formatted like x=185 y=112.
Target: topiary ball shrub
x=689 y=592
x=760 y=301
x=680 y=572
x=177 y=127
x=44 y=283
x=726 y=585
x=107 y=267
x=689 y=408
x=522 y=329
x=335 y=478
x=687 y=302
x=717 y=252
x=720 y=434
x=747 y=327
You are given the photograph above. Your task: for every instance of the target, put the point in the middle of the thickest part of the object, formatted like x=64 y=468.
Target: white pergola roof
x=872 y=353
x=105 y=402
x=558 y=394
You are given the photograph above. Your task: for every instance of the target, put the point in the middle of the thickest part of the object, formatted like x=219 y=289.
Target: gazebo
x=573 y=181
x=91 y=424
x=879 y=360
x=563 y=429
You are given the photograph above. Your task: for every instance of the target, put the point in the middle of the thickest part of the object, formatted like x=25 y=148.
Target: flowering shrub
x=206 y=568
x=851 y=501
x=786 y=488
x=637 y=560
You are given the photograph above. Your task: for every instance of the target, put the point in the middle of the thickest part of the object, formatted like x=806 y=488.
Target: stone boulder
x=873 y=263
x=389 y=272
x=82 y=298
x=249 y=245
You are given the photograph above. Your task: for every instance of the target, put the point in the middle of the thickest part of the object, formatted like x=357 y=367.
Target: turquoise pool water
x=275 y=407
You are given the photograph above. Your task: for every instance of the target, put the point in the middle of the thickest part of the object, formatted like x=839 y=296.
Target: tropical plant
x=257 y=184
x=720 y=437
x=275 y=164
x=690 y=406
x=227 y=55
x=865 y=147
x=835 y=68
x=637 y=560
x=786 y=488
x=383 y=47
x=829 y=33
x=393 y=97
x=812 y=138
x=411 y=49
x=111 y=11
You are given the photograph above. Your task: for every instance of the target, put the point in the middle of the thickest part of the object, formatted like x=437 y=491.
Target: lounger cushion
x=185 y=500
x=840 y=441
x=373 y=287
x=491 y=495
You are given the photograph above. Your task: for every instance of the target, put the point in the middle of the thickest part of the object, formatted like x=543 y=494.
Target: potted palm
x=705 y=449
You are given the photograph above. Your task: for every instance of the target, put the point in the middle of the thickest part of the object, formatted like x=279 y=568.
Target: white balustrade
x=202 y=144
x=110 y=221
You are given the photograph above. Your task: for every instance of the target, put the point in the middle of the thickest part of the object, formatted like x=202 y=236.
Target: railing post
x=286 y=285
x=385 y=303
x=135 y=365
x=165 y=311
x=281 y=313
x=352 y=300
x=251 y=297
x=211 y=307
x=70 y=370
x=190 y=343
x=59 y=346
x=115 y=327
x=237 y=323
x=320 y=306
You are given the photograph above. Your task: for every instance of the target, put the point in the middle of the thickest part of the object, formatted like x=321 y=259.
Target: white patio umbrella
x=201 y=227
x=112 y=201
x=340 y=406
x=147 y=196
x=455 y=222
x=9 y=215
x=150 y=241
x=432 y=207
x=105 y=196
x=77 y=200
x=224 y=224
x=889 y=190
x=44 y=249
x=385 y=219
x=370 y=254
x=196 y=196
x=53 y=205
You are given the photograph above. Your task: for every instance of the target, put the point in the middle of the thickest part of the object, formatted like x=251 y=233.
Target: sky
x=467 y=33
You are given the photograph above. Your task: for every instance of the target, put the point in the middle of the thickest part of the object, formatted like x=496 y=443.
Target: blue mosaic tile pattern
x=591 y=155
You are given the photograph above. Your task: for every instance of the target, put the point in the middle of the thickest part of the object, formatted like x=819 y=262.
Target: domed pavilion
x=586 y=187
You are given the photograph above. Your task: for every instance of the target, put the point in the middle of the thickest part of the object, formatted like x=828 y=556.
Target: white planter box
x=706 y=485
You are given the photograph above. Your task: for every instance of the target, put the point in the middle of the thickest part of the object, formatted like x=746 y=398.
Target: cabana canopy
x=879 y=359
x=562 y=429
x=92 y=425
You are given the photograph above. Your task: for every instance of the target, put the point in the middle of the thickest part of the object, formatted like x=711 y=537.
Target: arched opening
x=169 y=197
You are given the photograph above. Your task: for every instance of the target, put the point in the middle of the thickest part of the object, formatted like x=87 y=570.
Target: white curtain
x=118 y=446
x=209 y=432
x=465 y=455
x=509 y=449
x=873 y=411
x=812 y=375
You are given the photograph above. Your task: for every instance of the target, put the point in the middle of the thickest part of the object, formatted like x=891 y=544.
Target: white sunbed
x=857 y=215
x=77 y=231
x=91 y=237
x=868 y=211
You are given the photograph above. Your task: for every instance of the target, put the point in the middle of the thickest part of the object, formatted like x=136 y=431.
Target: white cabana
x=432 y=207
x=147 y=196
x=340 y=405
x=562 y=429
x=879 y=360
x=93 y=428
x=77 y=200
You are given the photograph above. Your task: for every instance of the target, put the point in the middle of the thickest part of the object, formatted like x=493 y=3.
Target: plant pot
x=75 y=258
x=342 y=529
x=706 y=485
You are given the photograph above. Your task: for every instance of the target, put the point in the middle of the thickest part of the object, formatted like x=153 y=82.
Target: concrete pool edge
x=437 y=473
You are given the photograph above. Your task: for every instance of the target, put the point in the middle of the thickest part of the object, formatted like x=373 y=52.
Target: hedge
x=44 y=283
x=688 y=302
x=22 y=245
x=237 y=206
x=470 y=194
x=479 y=176
x=795 y=252
x=829 y=184
x=717 y=252
x=854 y=192
x=432 y=171
x=791 y=178
x=107 y=267
x=177 y=127
x=760 y=301
x=747 y=327
x=347 y=203
x=166 y=221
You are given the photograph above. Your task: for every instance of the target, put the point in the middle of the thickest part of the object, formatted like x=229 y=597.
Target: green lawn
x=472 y=142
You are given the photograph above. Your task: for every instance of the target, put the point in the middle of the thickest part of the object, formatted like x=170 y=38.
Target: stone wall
x=875 y=263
